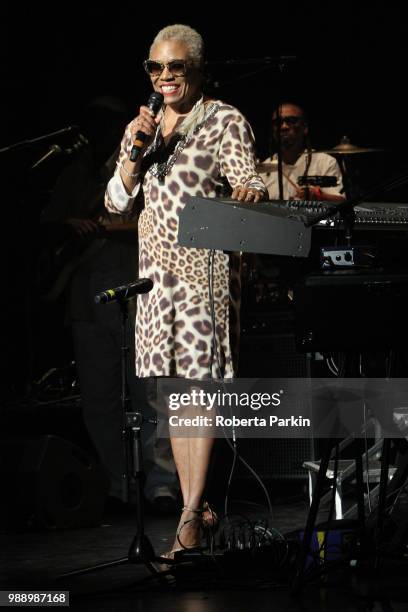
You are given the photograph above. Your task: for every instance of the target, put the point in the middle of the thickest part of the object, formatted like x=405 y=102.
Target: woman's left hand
x=247 y=194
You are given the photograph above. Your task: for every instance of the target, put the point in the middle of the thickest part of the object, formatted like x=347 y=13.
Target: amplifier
x=341 y=310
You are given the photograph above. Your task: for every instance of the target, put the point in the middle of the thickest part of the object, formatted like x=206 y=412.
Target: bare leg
x=192 y=458
x=181 y=454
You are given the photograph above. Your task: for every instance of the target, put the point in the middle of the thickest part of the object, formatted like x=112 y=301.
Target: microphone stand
x=53 y=150
x=279 y=151
x=26 y=143
x=141 y=550
x=281 y=65
x=263 y=63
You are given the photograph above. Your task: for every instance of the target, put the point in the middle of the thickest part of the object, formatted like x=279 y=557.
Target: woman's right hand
x=145 y=123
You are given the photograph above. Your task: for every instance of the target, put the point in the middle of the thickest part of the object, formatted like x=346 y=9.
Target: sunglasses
x=177 y=68
x=289 y=120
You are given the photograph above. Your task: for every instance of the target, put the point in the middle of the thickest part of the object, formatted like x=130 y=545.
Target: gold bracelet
x=129 y=174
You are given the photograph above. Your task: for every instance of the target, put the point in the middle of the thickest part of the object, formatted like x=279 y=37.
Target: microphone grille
x=155 y=101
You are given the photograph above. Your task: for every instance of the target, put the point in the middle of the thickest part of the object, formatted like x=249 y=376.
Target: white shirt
x=321 y=164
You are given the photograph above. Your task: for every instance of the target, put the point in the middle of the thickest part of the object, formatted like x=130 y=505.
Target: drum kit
x=261 y=291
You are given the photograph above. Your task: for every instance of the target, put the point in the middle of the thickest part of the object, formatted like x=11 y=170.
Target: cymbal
x=346 y=148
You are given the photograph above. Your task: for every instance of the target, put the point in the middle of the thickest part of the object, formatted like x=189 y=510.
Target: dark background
x=350 y=69
x=350 y=73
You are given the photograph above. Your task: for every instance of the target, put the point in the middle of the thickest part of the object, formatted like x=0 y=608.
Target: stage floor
x=34 y=559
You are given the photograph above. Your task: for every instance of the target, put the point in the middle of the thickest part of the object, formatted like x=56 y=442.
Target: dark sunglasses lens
x=177 y=68
x=292 y=120
x=288 y=120
x=153 y=68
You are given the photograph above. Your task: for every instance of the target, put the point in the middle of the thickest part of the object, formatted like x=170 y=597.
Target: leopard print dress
x=174 y=335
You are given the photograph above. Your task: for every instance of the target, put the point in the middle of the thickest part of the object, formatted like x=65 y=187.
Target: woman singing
x=195 y=146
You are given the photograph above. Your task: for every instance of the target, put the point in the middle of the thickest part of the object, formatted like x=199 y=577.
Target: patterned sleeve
x=117 y=199
x=237 y=154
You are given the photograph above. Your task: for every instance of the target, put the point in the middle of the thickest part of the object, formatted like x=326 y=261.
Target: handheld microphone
x=154 y=104
x=124 y=292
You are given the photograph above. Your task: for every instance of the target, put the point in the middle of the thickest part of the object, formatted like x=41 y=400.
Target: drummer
x=306 y=174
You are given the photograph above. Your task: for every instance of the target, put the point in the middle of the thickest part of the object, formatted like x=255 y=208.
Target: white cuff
x=118 y=194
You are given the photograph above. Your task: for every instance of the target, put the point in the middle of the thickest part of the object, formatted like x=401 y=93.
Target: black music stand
x=141 y=550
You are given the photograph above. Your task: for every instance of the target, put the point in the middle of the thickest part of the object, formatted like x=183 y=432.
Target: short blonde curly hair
x=186 y=35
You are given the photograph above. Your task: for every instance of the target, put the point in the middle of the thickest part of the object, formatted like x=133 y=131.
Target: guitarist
x=98 y=250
